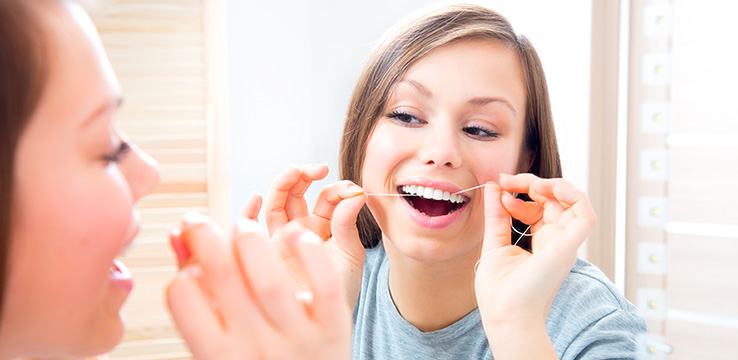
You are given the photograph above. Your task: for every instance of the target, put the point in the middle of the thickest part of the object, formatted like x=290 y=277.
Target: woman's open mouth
x=432 y=202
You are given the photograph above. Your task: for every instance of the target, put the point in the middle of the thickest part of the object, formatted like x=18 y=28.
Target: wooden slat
x=180 y=186
x=135 y=348
x=178 y=156
x=703 y=274
x=704 y=70
x=169 y=200
x=697 y=192
x=167 y=115
x=157 y=51
x=691 y=341
x=139 y=43
x=175 y=141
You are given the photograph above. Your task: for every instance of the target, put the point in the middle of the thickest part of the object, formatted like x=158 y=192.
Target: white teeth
x=431 y=193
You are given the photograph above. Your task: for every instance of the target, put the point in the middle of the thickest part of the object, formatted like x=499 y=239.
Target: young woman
x=448 y=101
x=69 y=181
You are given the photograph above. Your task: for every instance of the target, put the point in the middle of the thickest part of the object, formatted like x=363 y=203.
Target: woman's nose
x=142 y=173
x=441 y=148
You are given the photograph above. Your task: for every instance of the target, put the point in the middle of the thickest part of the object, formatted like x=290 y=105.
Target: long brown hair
x=22 y=76
x=401 y=48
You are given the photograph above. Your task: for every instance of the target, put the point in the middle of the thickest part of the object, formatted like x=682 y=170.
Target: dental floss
x=456 y=193
x=471 y=188
x=387 y=194
x=512 y=226
x=476 y=265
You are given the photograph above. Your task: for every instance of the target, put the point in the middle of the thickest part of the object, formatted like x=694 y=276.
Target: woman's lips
x=432 y=204
x=120 y=276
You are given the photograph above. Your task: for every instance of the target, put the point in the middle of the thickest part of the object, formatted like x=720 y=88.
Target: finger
x=519 y=183
x=332 y=194
x=275 y=212
x=345 y=232
x=221 y=277
x=179 y=248
x=252 y=206
x=348 y=251
x=296 y=205
x=267 y=276
x=191 y=310
x=329 y=307
x=528 y=212
x=584 y=217
x=496 y=219
x=542 y=192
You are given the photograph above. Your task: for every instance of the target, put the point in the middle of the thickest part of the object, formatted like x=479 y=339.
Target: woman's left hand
x=515 y=288
x=236 y=298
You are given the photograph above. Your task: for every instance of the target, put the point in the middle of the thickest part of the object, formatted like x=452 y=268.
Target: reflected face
x=75 y=185
x=454 y=121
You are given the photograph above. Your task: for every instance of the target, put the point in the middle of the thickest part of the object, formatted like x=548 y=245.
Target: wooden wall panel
x=696 y=85
x=702 y=184
x=692 y=341
x=703 y=274
x=157 y=50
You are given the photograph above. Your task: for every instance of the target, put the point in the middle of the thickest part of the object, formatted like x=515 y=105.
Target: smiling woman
x=450 y=99
x=69 y=142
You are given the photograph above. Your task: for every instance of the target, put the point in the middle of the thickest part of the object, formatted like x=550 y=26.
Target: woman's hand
x=515 y=288
x=237 y=299
x=333 y=218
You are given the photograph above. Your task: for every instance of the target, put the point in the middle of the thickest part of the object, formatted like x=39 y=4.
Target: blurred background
x=226 y=94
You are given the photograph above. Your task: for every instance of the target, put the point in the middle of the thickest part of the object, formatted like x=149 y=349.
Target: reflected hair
x=412 y=39
x=22 y=76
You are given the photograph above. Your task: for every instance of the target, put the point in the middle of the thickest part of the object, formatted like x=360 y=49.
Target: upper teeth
x=431 y=193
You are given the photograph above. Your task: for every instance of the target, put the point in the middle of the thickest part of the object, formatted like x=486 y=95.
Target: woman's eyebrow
x=481 y=101
x=418 y=87
x=477 y=101
x=112 y=104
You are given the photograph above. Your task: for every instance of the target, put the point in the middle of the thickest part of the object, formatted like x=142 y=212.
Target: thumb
x=496 y=219
x=343 y=227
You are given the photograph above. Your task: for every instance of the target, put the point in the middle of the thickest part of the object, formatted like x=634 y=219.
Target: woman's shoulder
x=587 y=296
x=589 y=309
x=587 y=279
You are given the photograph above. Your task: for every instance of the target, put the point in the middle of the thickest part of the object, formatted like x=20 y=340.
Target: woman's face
x=75 y=186
x=454 y=121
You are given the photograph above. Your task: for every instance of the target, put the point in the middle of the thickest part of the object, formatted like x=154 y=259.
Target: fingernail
x=503 y=175
x=192 y=270
x=310 y=238
x=355 y=189
x=192 y=217
x=247 y=225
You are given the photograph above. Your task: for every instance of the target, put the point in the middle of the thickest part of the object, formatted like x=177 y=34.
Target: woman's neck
x=432 y=296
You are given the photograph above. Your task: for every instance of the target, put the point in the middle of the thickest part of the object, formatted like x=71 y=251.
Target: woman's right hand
x=333 y=218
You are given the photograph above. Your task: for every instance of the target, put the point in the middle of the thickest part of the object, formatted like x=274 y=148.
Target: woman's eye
x=404 y=118
x=479 y=132
x=118 y=153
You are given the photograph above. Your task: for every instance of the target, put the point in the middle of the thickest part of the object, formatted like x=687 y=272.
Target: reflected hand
x=237 y=299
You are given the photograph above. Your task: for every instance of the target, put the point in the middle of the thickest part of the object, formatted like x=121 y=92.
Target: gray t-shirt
x=588 y=319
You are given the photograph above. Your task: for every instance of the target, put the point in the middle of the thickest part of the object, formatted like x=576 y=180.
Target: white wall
x=292 y=67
